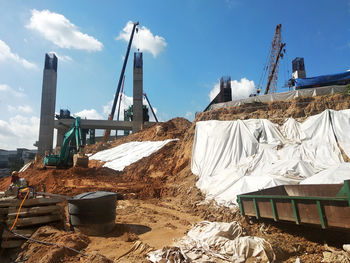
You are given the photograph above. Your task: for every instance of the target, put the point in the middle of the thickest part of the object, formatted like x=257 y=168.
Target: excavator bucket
x=80 y=160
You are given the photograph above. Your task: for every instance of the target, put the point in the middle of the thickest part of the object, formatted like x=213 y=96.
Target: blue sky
x=194 y=43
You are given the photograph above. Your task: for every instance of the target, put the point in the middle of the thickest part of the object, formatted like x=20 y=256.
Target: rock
x=159 y=130
x=330 y=257
x=346 y=247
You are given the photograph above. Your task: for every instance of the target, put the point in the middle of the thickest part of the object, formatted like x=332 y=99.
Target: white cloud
x=7 y=90
x=189 y=115
x=231 y=3
x=20 y=109
x=7 y=55
x=19 y=132
x=59 y=30
x=91 y=114
x=143 y=40
x=63 y=58
x=240 y=89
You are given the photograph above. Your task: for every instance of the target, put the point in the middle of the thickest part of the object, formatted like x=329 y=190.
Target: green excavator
x=71 y=152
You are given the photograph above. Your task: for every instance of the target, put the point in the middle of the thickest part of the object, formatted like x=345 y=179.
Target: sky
x=187 y=46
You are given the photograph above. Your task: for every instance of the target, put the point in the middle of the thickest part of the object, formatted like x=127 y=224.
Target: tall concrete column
x=137 y=93
x=48 y=103
x=60 y=136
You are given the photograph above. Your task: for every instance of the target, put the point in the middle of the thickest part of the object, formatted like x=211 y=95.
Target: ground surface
x=160 y=201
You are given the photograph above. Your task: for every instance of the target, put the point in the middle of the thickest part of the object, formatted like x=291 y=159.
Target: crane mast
x=277 y=49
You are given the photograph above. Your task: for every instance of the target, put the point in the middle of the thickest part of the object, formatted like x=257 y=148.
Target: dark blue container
x=93 y=213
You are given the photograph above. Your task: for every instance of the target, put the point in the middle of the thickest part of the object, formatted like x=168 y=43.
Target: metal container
x=93 y=213
x=325 y=205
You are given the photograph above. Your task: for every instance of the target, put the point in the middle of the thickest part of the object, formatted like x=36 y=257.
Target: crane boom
x=111 y=116
x=276 y=52
x=274 y=72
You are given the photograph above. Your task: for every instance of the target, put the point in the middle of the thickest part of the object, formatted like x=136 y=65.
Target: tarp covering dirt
x=119 y=157
x=216 y=242
x=234 y=157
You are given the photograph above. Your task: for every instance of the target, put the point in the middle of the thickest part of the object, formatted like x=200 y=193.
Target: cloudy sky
x=187 y=45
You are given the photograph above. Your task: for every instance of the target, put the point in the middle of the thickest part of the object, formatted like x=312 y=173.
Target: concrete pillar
x=60 y=136
x=48 y=103
x=92 y=136
x=137 y=93
x=298 y=67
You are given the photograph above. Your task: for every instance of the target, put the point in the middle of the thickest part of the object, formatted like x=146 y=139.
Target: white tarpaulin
x=235 y=157
x=119 y=157
x=215 y=242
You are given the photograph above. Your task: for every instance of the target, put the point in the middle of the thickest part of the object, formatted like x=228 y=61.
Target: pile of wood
x=33 y=214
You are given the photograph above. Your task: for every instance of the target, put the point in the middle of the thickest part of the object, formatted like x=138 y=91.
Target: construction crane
x=277 y=51
x=111 y=116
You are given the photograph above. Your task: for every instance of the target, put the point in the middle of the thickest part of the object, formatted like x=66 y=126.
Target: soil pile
x=174 y=128
x=36 y=252
x=143 y=179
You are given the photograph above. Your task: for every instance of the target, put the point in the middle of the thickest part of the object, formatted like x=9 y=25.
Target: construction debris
x=216 y=242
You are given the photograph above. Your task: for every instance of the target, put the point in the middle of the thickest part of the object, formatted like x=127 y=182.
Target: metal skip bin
x=325 y=205
x=93 y=213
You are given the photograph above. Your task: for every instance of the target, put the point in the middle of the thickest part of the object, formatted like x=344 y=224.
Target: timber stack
x=33 y=214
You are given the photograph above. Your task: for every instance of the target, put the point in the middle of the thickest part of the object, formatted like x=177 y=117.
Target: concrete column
x=137 y=93
x=48 y=103
x=60 y=136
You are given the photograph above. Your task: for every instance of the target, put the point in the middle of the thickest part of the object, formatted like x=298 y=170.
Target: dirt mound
x=48 y=253
x=143 y=179
x=172 y=129
x=277 y=112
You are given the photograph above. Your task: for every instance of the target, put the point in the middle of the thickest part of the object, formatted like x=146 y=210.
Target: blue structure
x=325 y=80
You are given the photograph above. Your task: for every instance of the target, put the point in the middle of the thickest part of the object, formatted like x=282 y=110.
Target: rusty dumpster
x=324 y=205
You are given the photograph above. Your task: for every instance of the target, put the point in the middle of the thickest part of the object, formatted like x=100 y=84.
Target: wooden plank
x=4 y=211
x=31 y=202
x=6 y=201
x=12 y=243
x=3 y=218
x=33 y=211
x=25 y=232
x=29 y=221
x=40 y=201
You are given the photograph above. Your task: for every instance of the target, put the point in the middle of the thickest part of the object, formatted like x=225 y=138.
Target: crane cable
x=263 y=73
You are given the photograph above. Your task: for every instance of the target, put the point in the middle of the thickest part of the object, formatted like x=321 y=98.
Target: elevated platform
x=98 y=124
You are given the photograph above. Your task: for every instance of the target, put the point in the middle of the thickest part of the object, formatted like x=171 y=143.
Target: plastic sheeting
x=235 y=157
x=119 y=157
x=333 y=175
x=282 y=96
x=333 y=79
x=216 y=242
